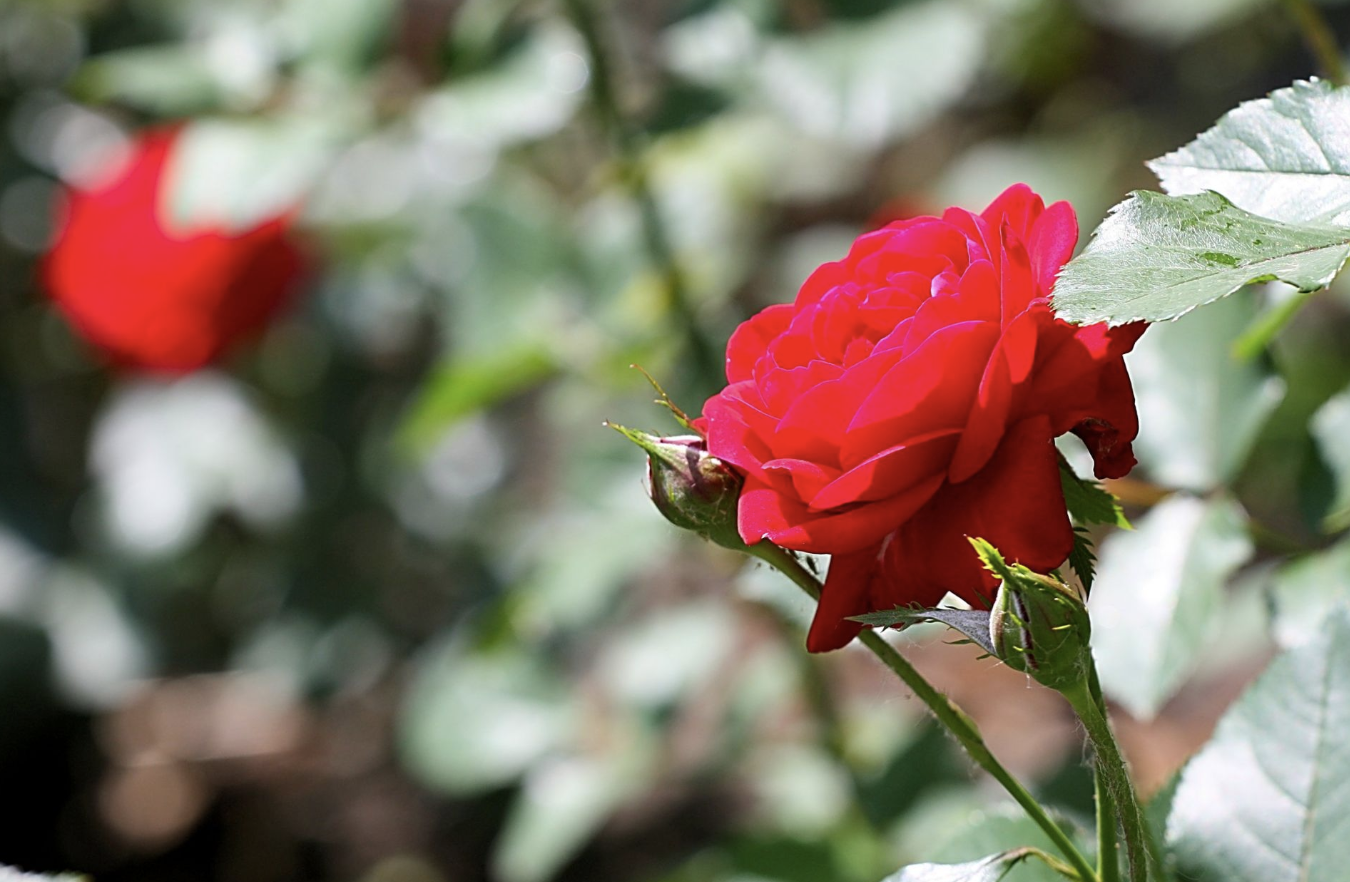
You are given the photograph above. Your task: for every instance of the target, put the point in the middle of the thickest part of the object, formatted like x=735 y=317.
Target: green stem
x=949 y=715
x=628 y=144
x=1108 y=860
x=1262 y=331
x=1321 y=39
x=1111 y=768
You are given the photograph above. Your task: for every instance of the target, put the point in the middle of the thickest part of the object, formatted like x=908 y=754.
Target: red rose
x=909 y=398
x=159 y=298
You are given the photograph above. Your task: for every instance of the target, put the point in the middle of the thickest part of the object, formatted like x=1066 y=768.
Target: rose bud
x=691 y=488
x=150 y=295
x=1039 y=625
x=909 y=397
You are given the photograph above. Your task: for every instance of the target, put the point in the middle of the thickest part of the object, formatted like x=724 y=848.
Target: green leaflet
x=1284 y=157
x=1268 y=799
x=989 y=869
x=1157 y=257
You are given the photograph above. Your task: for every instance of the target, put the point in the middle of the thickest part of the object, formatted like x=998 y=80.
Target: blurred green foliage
x=380 y=599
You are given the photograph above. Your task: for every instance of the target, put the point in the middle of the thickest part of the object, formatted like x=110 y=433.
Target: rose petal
x=847 y=592
x=751 y=340
x=1019 y=207
x=1050 y=243
x=807 y=478
x=1008 y=368
x=763 y=513
x=890 y=472
x=929 y=390
x=1014 y=502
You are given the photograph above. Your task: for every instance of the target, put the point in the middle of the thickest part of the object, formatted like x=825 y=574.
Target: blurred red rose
x=153 y=297
x=909 y=398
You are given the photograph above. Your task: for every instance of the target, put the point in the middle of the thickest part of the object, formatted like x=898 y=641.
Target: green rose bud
x=692 y=489
x=1038 y=625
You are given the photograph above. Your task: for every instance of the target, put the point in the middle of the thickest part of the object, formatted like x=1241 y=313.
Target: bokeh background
x=378 y=598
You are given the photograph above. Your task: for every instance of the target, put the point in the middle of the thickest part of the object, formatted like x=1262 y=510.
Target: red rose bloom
x=910 y=398
x=159 y=298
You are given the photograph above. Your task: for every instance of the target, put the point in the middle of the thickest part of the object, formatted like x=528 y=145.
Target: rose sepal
x=692 y=489
x=1038 y=624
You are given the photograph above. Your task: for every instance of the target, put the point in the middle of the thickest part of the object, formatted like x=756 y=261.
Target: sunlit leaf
x=10 y=874
x=173 y=79
x=474 y=720
x=1306 y=590
x=339 y=34
x=236 y=173
x=990 y=869
x=1157 y=594
x=1157 y=257
x=1268 y=799
x=873 y=80
x=988 y=832
x=1284 y=157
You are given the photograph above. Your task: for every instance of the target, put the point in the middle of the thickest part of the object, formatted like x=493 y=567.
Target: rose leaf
x=1158 y=594
x=1268 y=798
x=1285 y=157
x=1157 y=257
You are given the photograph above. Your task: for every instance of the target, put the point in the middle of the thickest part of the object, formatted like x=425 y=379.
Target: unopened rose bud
x=1038 y=625
x=693 y=489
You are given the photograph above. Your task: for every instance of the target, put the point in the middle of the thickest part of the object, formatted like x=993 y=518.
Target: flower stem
x=1108 y=861
x=628 y=143
x=1321 y=39
x=961 y=726
x=1111 y=769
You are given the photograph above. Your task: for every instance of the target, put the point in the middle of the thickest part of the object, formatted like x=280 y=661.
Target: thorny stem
x=1108 y=861
x=949 y=715
x=1110 y=767
x=1321 y=39
x=628 y=145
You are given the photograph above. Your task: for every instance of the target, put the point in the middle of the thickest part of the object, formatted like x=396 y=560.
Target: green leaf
x=236 y=173
x=974 y=623
x=1089 y=502
x=339 y=35
x=474 y=720
x=1330 y=428
x=172 y=80
x=9 y=874
x=1305 y=591
x=1283 y=157
x=990 y=869
x=562 y=805
x=463 y=386
x=1200 y=408
x=1083 y=558
x=1268 y=799
x=868 y=82
x=998 y=830
x=1157 y=257
x=1158 y=591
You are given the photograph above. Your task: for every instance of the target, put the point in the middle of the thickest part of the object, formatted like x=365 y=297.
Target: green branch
x=1111 y=768
x=628 y=145
x=961 y=726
